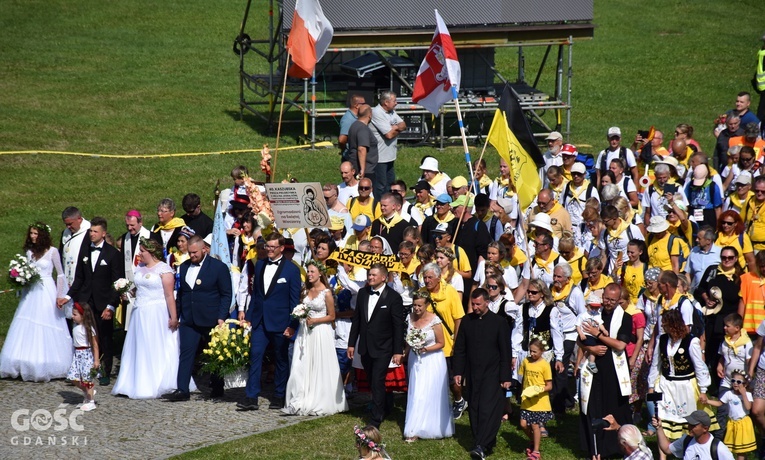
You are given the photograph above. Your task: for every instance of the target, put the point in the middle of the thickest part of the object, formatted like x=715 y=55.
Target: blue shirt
x=698 y=261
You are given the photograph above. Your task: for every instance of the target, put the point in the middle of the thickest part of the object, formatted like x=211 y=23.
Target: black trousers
x=190 y=336
x=486 y=405
x=561 y=395
x=376 y=369
x=105 y=331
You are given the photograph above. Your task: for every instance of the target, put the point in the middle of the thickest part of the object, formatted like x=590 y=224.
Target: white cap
x=554 y=136
x=579 y=168
x=506 y=204
x=614 y=131
x=744 y=178
x=429 y=164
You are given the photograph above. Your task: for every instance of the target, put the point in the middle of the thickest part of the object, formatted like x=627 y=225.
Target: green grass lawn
x=145 y=77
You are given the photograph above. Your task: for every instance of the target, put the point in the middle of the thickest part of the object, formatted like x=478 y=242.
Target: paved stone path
x=35 y=423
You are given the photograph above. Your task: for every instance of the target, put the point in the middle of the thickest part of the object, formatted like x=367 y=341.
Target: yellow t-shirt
x=659 y=257
x=754 y=218
x=634 y=281
x=461 y=261
x=577 y=264
x=355 y=208
x=536 y=373
x=449 y=308
x=734 y=241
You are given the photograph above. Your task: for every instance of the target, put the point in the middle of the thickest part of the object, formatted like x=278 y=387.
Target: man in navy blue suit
x=275 y=292
x=203 y=300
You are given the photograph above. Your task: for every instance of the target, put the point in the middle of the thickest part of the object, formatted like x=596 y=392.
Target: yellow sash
x=175 y=222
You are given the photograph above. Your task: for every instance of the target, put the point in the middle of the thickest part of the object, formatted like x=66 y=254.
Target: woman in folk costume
x=607 y=391
x=679 y=373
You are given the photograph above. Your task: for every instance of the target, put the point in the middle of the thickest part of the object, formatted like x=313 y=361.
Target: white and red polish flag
x=309 y=38
x=440 y=70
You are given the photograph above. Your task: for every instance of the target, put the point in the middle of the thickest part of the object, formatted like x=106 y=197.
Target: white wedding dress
x=315 y=386
x=149 y=362
x=38 y=346
x=428 y=412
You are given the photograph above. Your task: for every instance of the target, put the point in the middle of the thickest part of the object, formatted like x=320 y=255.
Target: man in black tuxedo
x=482 y=357
x=378 y=324
x=203 y=300
x=94 y=284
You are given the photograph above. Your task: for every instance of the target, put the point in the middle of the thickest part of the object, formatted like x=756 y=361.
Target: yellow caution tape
x=324 y=144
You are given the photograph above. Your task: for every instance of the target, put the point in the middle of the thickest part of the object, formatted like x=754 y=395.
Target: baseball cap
x=744 y=178
x=554 y=136
x=421 y=185
x=568 y=149
x=506 y=204
x=698 y=416
x=361 y=222
x=443 y=227
x=463 y=200
x=336 y=223
x=459 y=182
x=578 y=168
x=444 y=198
x=751 y=130
x=614 y=131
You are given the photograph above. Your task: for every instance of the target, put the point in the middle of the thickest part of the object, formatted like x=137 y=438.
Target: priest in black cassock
x=481 y=360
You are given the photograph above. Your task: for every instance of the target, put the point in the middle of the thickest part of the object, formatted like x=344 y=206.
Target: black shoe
x=248 y=404
x=176 y=396
x=216 y=393
x=477 y=453
x=103 y=381
x=277 y=403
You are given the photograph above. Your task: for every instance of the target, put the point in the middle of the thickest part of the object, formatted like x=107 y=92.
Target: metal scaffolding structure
x=356 y=56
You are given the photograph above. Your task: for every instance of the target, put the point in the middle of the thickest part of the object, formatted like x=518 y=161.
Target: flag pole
x=467 y=159
x=281 y=114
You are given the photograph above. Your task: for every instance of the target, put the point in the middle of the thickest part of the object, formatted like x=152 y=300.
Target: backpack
x=697 y=328
x=622 y=154
x=589 y=164
x=567 y=192
x=605 y=242
x=712 y=448
x=682 y=257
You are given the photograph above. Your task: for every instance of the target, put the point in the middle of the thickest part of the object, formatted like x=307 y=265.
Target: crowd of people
x=628 y=297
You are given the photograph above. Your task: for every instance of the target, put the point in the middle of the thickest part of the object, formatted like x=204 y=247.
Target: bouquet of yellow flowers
x=229 y=348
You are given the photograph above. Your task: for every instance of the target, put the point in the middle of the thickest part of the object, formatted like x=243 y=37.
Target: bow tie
x=94 y=248
x=196 y=265
x=272 y=262
x=373 y=292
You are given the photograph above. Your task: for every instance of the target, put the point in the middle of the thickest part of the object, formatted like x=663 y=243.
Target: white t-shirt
x=734 y=360
x=346 y=192
x=761 y=333
x=592 y=316
x=80 y=336
x=736 y=409
x=699 y=451
x=612 y=155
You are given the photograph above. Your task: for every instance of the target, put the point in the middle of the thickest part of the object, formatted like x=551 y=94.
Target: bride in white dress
x=38 y=346
x=315 y=386
x=428 y=412
x=149 y=362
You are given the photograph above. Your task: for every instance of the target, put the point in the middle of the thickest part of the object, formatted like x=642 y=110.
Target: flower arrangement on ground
x=229 y=348
x=22 y=272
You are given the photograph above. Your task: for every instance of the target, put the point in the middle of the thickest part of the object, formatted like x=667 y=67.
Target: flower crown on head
x=363 y=438
x=319 y=265
x=742 y=373
x=40 y=226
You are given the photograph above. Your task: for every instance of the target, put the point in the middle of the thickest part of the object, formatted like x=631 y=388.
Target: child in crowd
x=369 y=443
x=739 y=435
x=735 y=352
x=85 y=358
x=592 y=316
x=535 y=399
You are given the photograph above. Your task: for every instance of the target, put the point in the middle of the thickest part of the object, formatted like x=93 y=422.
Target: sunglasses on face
x=727 y=257
x=740 y=382
x=532 y=292
x=493 y=288
x=365 y=188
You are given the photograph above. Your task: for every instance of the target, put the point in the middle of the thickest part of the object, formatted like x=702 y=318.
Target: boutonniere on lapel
x=84 y=259
x=199 y=282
